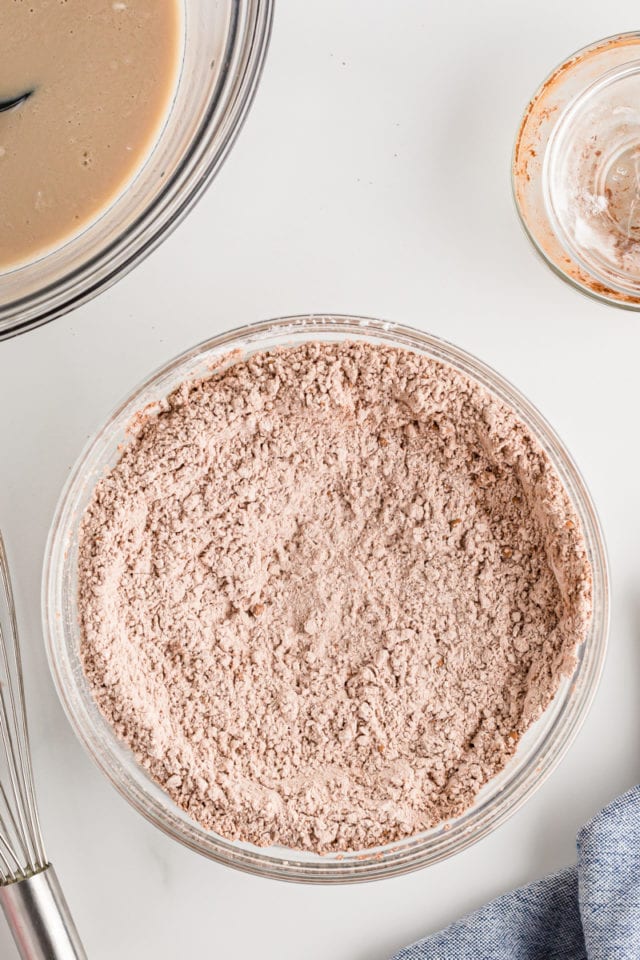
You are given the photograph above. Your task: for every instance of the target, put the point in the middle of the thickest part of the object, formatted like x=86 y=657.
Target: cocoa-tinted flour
x=325 y=591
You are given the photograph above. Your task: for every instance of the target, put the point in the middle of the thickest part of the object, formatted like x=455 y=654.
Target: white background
x=372 y=176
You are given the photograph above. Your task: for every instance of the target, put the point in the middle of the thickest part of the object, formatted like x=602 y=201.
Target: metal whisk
x=30 y=894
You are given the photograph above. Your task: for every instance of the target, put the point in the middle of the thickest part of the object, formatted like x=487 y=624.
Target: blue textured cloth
x=587 y=912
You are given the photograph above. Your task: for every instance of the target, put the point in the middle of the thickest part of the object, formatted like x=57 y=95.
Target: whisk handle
x=39 y=917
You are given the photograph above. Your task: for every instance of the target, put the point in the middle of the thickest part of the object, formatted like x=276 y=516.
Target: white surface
x=371 y=177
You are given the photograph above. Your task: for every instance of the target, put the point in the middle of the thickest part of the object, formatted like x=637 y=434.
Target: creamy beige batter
x=100 y=75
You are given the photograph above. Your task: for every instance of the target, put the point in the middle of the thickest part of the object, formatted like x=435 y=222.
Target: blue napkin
x=587 y=912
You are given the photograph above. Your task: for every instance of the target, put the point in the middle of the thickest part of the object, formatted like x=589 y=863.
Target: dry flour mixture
x=326 y=590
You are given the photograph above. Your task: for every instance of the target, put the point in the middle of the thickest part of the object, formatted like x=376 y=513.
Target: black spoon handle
x=15 y=102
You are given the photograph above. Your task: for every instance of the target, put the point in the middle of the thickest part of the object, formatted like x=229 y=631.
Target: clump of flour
x=325 y=591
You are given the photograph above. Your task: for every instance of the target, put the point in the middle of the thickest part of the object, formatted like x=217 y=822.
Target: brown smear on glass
x=96 y=80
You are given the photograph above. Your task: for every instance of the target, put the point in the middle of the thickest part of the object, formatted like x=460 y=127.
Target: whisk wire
x=30 y=895
x=25 y=750
x=7 y=872
x=15 y=738
x=6 y=834
x=17 y=790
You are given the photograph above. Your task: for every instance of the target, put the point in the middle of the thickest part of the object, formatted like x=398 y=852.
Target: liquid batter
x=85 y=86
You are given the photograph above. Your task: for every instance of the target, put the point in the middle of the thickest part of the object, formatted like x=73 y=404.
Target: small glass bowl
x=225 y=44
x=539 y=750
x=576 y=170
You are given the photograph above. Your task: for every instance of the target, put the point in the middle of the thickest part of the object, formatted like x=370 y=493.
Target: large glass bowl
x=539 y=750
x=225 y=42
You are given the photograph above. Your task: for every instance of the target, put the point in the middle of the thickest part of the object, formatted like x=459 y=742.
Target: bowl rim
x=526 y=776
x=250 y=31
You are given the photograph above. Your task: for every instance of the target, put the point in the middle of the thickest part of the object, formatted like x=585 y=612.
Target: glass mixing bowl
x=225 y=43
x=576 y=170
x=539 y=750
